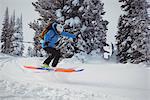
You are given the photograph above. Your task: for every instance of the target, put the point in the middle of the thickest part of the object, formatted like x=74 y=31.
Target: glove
x=77 y=39
x=46 y=44
x=74 y=40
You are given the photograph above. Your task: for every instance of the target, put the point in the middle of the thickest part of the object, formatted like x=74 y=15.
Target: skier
x=51 y=38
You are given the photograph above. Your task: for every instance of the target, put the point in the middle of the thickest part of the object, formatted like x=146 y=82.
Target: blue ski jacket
x=52 y=37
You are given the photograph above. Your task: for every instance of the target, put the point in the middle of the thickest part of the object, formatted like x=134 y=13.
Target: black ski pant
x=53 y=55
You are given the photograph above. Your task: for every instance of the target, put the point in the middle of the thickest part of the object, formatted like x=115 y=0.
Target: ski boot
x=46 y=66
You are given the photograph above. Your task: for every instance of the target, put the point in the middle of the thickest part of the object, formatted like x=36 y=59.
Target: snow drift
x=99 y=81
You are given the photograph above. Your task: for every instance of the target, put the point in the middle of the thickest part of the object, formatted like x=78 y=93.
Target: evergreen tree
x=5 y=37
x=21 y=34
x=123 y=35
x=29 y=52
x=95 y=33
x=70 y=13
x=12 y=35
x=12 y=32
x=63 y=11
x=18 y=38
x=38 y=29
x=133 y=37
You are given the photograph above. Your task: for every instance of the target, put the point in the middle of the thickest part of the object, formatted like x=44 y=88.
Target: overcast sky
x=113 y=11
x=25 y=7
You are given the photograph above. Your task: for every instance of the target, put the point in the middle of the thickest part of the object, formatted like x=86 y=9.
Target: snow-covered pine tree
x=5 y=31
x=6 y=36
x=21 y=34
x=133 y=36
x=70 y=13
x=29 y=52
x=9 y=38
x=18 y=38
x=94 y=34
x=38 y=29
x=123 y=38
x=12 y=32
x=64 y=11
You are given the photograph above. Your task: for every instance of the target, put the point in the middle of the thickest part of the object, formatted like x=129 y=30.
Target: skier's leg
x=50 y=57
x=56 y=58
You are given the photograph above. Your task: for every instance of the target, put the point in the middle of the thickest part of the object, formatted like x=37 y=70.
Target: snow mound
x=99 y=81
x=17 y=91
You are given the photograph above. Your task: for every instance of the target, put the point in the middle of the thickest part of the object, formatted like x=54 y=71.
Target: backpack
x=46 y=29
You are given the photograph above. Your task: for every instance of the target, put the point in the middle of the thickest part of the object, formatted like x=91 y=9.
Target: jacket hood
x=54 y=27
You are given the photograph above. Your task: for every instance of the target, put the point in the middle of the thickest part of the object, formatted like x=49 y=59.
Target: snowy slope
x=98 y=81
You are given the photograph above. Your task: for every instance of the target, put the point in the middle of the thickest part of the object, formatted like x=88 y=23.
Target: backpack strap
x=46 y=29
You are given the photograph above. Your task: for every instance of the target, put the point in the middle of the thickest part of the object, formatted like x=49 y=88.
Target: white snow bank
x=99 y=81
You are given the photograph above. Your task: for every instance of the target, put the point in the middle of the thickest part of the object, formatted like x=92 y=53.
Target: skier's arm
x=69 y=35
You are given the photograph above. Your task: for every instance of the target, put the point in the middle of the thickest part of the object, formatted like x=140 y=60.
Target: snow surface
x=99 y=81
